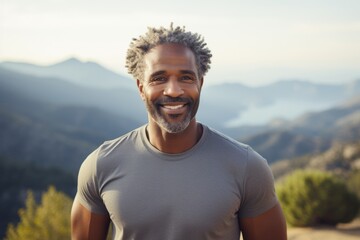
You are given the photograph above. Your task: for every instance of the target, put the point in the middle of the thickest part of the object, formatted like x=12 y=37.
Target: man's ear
x=140 y=88
x=201 y=82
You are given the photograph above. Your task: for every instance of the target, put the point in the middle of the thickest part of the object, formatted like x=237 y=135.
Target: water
x=259 y=115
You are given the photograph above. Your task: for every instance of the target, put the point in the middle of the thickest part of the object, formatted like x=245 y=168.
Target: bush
x=311 y=198
x=353 y=182
x=48 y=220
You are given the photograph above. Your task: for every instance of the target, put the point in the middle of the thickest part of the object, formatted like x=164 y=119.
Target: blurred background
x=285 y=79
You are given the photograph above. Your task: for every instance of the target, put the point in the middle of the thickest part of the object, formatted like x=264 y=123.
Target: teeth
x=173 y=107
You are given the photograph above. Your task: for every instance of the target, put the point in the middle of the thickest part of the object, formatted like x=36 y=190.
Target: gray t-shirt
x=197 y=194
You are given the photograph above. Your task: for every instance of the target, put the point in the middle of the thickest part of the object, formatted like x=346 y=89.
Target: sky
x=253 y=42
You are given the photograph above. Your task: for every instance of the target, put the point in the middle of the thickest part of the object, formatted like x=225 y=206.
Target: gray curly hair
x=154 y=37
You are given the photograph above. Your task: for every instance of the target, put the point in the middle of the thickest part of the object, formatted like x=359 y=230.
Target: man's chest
x=172 y=196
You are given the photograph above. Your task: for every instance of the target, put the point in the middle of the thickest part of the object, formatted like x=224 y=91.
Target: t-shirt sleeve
x=259 y=191
x=88 y=193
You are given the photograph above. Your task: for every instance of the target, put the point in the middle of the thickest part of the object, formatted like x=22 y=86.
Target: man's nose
x=173 y=88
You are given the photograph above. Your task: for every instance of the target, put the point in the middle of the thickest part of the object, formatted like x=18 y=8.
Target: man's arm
x=269 y=225
x=86 y=225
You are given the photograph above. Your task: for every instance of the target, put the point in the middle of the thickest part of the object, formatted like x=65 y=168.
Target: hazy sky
x=253 y=42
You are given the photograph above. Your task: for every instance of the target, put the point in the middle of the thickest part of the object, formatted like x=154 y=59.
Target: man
x=174 y=178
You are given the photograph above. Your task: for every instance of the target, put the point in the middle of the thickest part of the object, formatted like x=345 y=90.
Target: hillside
x=340 y=122
x=341 y=159
x=234 y=108
x=119 y=101
x=310 y=133
x=280 y=144
x=50 y=134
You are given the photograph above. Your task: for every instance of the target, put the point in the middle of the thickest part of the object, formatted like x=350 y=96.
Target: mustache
x=164 y=100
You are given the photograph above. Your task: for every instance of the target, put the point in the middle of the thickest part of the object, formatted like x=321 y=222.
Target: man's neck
x=174 y=142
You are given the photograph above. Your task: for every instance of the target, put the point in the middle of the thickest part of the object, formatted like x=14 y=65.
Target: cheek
x=150 y=94
x=195 y=92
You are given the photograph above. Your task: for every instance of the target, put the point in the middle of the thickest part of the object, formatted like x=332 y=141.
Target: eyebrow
x=161 y=72
x=157 y=74
x=188 y=72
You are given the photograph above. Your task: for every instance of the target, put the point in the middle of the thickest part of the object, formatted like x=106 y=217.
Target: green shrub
x=353 y=182
x=48 y=220
x=310 y=198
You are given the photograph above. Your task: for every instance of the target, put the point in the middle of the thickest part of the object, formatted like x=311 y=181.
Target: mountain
x=226 y=107
x=277 y=139
x=119 y=101
x=341 y=159
x=330 y=122
x=277 y=145
x=311 y=133
x=233 y=105
x=52 y=134
x=89 y=74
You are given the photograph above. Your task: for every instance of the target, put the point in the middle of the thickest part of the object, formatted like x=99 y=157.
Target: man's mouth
x=174 y=109
x=174 y=106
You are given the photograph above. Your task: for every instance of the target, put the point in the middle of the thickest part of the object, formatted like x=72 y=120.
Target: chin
x=173 y=127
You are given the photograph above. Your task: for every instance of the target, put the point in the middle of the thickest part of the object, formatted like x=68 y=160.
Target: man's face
x=171 y=86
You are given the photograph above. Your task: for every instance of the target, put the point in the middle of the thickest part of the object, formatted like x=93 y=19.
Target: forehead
x=167 y=57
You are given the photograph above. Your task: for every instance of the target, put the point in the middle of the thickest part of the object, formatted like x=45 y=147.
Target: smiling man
x=170 y=108
x=174 y=178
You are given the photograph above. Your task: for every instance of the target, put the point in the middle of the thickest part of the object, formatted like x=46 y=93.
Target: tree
x=27 y=226
x=309 y=198
x=48 y=220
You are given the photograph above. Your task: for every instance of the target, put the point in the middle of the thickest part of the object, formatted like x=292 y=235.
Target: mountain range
x=88 y=74
x=54 y=120
x=310 y=133
x=225 y=106
x=341 y=159
x=37 y=127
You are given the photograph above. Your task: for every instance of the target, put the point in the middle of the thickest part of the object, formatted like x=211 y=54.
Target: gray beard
x=172 y=127
x=155 y=114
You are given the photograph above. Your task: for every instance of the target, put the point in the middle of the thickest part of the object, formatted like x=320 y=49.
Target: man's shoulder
x=129 y=136
x=123 y=142
x=225 y=145
x=226 y=141
x=113 y=152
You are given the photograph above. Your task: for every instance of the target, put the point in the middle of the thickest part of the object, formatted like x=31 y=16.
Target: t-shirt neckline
x=172 y=156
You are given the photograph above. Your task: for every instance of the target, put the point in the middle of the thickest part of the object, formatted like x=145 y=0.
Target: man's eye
x=187 y=78
x=159 y=79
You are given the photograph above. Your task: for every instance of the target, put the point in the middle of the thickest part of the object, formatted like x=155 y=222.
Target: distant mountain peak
x=75 y=62
x=71 y=61
x=88 y=74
